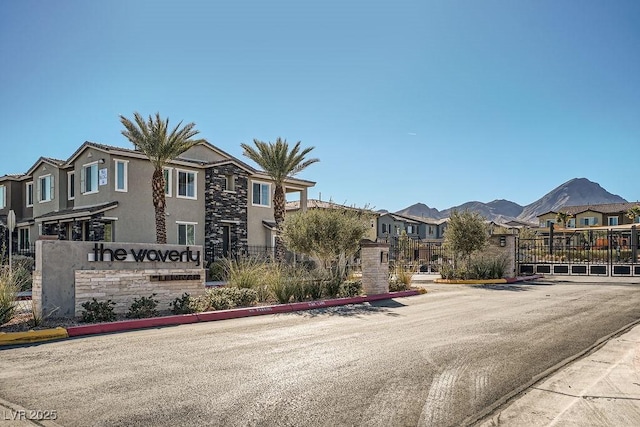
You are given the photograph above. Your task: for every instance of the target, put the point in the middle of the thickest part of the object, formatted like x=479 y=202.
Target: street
x=437 y=359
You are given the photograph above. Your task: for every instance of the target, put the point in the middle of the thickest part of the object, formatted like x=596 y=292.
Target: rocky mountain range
x=578 y=191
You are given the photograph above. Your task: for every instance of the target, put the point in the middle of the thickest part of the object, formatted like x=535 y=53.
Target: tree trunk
x=278 y=216
x=157 y=185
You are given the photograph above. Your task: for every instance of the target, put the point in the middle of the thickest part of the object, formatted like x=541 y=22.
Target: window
x=23 y=239
x=549 y=222
x=384 y=228
x=637 y=219
x=571 y=223
x=121 y=175
x=167 y=181
x=108 y=232
x=187 y=184
x=261 y=194
x=590 y=220
x=3 y=197
x=229 y=183
x=187 y=233
x=430 y=230
x=409 y=229
x=45 y=188
x=29 y=191
x=613 y=220
x=71 y=185
x=89 y=178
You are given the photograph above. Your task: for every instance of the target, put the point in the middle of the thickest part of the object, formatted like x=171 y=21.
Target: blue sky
x=440 y=102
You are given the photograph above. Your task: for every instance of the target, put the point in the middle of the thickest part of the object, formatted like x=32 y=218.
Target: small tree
x=563 y=218
x=466 y=233
x=330 y=235
x=633 y=212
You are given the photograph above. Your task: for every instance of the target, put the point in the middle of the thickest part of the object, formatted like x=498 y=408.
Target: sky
x=438 y=102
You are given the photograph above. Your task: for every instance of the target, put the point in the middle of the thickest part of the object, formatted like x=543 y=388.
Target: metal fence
x=581 y=252
x=417 y=255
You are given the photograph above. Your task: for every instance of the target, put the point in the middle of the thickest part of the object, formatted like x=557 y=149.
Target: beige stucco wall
x=375 y=268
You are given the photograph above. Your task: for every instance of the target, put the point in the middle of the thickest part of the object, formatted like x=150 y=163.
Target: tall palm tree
x=160 y=144
x=279 y=163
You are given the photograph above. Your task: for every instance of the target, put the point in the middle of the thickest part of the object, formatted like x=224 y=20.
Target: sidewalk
x=601 y=389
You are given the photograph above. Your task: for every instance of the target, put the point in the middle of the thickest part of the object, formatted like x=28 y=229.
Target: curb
x=488 y=282
x=10 y=338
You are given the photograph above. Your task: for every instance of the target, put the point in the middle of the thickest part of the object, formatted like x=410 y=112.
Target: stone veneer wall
x=375 y=267
x=225 y=208
x=123 y=286
x=508 y=251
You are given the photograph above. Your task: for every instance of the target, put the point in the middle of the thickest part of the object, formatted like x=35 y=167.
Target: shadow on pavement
x=512 y=288
x=353 y=310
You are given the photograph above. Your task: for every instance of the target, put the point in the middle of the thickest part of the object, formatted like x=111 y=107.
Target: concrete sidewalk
x=601 y=389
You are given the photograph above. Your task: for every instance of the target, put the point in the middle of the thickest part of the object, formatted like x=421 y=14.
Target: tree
x=279 y=163
x=466 y=232
x=330 y=235
x=563 y=218
x=161 y=145
x=633 y=212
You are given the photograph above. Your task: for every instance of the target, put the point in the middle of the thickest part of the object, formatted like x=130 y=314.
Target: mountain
x=491 y=210
x=575 y=192
x=578 y=191
x=421 y=210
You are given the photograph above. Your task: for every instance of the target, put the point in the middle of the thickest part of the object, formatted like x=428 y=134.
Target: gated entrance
x=592 y=251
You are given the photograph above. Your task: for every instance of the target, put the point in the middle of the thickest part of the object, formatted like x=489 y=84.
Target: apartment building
x=103 y=193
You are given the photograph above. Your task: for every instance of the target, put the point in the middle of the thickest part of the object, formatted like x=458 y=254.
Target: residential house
x=610 y=214
x=392 y=225
x=103 y=193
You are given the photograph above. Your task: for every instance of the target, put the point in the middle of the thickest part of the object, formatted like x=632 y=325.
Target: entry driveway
x=430 y=360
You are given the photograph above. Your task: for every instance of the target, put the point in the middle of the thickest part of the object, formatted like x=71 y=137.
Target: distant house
x=392 y=225
x=610 y=214
x=103 y=193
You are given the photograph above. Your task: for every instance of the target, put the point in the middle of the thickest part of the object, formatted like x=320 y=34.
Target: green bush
x=226 y=297
x=143 y=307
x=184 y=305
x=350 y=288
x=98 y=311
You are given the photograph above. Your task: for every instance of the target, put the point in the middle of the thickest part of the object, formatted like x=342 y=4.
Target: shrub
x=23 y=268
x=9 y=288
x=184 y=305
x=98 y=311
x=395 y=286
x=143 y=307
x=225 y=297
x=350 y=288
x=216 y=271
x=314 y=288
x=244 y=272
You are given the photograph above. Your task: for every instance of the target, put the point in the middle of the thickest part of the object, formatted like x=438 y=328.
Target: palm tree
x=633 y=212
x=279 y=163
x=563 y=217
x=161 y=145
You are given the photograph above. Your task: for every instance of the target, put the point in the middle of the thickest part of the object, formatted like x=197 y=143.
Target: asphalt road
x=431 y=360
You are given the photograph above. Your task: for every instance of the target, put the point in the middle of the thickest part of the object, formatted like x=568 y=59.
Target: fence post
x=634 y=244
x=551 y=239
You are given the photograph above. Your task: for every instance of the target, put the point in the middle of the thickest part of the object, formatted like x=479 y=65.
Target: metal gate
x=594 y=251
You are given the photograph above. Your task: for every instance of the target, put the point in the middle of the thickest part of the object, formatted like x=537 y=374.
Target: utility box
x=375 y=267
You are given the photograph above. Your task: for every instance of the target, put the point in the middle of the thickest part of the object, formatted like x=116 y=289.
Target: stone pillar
x=375 y=267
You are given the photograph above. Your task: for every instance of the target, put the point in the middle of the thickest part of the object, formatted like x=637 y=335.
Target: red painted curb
x=127 y=325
